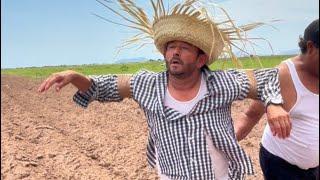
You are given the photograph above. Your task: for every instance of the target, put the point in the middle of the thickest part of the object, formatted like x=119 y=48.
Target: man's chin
x=175 y=73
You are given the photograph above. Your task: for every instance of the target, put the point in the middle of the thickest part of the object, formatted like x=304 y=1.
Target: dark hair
x=303 y=45
x=311 y=33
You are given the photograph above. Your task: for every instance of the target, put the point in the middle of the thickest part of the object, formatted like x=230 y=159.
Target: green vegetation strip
x=130 y=68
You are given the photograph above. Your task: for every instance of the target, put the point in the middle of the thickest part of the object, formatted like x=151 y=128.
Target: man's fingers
x=273 y=128
x=52 y=80
x=43 y=85
x=61 y=84
x=277 y=128
x=283 y=128
x=285 y=125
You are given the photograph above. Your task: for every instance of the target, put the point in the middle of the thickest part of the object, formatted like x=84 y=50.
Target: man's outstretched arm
x=101 y=88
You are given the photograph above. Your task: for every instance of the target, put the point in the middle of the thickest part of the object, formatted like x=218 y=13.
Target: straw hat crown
x=188 y=29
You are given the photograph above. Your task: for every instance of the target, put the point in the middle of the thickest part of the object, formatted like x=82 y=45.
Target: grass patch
x=130 y=68
x=250 y=63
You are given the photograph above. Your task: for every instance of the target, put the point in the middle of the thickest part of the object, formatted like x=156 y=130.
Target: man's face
x=182 y=58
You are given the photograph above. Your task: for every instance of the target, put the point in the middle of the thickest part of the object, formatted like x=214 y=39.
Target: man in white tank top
x=294 y=156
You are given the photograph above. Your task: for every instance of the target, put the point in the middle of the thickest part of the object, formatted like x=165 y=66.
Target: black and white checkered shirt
x=180 y=139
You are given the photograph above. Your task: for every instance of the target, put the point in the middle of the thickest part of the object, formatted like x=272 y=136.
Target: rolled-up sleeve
x=104 y=88
x=268 y=85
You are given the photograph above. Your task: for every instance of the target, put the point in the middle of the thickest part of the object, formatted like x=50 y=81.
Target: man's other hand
x=279 y=121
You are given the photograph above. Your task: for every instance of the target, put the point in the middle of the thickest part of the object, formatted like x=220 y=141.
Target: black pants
x=275 y=168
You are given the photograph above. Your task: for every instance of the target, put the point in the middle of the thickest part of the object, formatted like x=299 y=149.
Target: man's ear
x=202 y=60
x=310 y=47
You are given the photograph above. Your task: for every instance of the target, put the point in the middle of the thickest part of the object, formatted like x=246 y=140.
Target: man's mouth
x=175 y=61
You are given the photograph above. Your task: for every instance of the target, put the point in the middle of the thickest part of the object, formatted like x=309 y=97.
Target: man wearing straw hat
x=188 y=107
x=296 y=157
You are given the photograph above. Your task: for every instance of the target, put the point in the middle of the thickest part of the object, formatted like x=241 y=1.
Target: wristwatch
x=275 y=101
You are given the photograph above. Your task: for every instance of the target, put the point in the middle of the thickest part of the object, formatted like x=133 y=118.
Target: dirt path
x=48 y=137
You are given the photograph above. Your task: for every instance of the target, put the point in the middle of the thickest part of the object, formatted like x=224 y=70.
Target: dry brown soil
x=47 y=136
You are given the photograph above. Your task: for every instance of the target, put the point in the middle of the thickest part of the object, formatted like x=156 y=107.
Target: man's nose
x=177 y=51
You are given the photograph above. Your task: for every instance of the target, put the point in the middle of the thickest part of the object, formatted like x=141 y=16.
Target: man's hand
x=63 y=78
x=279 y=121
x=59 y=79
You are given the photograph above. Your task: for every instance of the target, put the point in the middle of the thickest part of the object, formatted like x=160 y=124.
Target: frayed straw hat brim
x=189 y=21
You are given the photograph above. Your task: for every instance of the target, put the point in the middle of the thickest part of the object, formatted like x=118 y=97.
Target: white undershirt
x=219 y=161
x=301 y=148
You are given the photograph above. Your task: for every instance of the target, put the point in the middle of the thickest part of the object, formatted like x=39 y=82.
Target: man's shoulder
x=221 y=78
x=144 y=87
x=284 y=72
x=227 y=73
x=147 y=77
x=209 y=72
x=144 y=73
x=283 y=66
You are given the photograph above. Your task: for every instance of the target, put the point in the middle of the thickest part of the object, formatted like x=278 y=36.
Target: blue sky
x=64 y=32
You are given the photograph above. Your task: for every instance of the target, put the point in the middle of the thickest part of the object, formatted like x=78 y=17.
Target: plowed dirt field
x=47 y=136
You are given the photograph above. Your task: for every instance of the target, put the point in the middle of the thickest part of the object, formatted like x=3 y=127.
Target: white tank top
x=219 y=160
x=301 y=148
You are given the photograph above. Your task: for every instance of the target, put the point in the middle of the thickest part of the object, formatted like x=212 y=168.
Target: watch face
x=276 y=101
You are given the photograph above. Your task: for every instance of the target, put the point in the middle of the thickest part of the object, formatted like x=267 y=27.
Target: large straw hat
x=189 y=21
x=188 y=29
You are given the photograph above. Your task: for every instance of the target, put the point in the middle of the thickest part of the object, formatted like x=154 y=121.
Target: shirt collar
x=161 y=86
x=210 y=78
x=162 y=82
